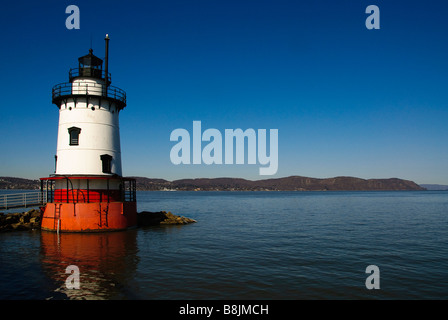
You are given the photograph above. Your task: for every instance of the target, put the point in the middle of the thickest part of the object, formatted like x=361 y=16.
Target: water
x=246 y=245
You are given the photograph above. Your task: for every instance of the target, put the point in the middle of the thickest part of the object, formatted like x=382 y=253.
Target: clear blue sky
x=347 y=101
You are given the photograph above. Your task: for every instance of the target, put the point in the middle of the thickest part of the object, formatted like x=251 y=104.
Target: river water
x=246 y=245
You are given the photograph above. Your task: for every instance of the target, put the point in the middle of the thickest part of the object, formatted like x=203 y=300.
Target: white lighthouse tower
x=87 y=191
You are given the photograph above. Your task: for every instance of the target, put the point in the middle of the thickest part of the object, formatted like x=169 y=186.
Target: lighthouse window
x=106 y=162
x=74 y=135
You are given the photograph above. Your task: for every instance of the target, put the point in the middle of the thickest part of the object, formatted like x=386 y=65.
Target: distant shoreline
x=292 y=183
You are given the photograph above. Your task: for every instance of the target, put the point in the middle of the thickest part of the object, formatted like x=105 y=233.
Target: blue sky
x=347 y=101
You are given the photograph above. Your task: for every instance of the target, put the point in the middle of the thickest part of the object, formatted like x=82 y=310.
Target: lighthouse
x=87 y=191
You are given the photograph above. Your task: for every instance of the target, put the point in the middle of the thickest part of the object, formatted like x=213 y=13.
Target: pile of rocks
x=19 y=221
x=147 y=218
x=30 y=220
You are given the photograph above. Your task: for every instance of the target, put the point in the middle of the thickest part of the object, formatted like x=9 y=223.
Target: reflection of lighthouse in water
x=87 y=191
x=107 y=264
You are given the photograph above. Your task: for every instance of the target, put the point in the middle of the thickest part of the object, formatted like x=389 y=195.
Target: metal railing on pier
x=22 y=200
x=48 y=193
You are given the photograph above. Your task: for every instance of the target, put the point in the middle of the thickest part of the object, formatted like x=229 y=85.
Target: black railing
x=129 y=190
x=68 y=194
x=67 y=89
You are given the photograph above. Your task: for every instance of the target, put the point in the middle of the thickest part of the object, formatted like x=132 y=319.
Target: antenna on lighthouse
x=106 y=65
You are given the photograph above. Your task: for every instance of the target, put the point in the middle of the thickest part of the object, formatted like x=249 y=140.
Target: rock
x=21 y=226
x=34 y=213
x=173 y=219
x=147 y=218
x=12 y=218
x=20 y=221
x=24 y=218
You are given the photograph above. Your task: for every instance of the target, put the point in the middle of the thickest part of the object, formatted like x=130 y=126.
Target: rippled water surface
x=246 y=245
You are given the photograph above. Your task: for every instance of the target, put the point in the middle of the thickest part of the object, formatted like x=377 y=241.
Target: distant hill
x=18 y=183
x=434 y=187
x=293 y=183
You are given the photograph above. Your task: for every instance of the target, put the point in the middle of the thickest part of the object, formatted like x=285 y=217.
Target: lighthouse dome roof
x=90 y=60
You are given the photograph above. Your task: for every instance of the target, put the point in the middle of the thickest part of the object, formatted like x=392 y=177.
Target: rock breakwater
x=30 y=220
x=147 y=218
x=20 y=221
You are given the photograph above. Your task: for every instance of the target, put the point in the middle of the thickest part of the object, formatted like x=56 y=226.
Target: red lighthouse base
x=74 y=206
x=89 y=217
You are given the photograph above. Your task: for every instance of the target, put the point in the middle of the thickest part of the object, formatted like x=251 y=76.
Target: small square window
x=106 y=163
